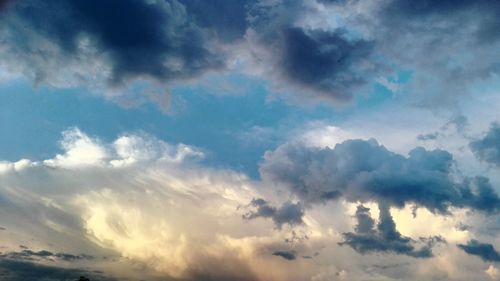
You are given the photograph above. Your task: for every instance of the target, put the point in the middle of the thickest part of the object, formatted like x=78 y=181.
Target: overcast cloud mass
x=241 y=140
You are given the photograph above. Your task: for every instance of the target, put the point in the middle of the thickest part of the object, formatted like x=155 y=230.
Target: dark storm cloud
x=365 y=171
x=327 y=63
x=3 y=4
x=383 y=238
x=12 y=270
x=157 y=39
x=487 y=149
x=287 y=255
x=322 y=60
x=288 y=213
x=483 y=250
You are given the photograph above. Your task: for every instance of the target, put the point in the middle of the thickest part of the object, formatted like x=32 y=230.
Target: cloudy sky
x=250 y=140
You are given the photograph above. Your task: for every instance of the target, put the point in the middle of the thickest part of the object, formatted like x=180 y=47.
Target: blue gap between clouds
x=32 y=119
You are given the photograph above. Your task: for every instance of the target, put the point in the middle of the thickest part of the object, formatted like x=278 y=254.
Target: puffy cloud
x=365 y=171
x=487 y=149
x=83 y=150
x=483 y=250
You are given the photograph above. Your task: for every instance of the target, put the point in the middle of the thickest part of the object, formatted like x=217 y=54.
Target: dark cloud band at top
x=169 y=41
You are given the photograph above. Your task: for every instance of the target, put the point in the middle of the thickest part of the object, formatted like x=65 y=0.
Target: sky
x=239 y=140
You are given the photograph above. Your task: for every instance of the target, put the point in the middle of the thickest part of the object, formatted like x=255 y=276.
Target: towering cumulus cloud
x=365 y=171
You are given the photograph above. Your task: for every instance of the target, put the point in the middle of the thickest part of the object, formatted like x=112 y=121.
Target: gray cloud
x=365 y=171
x=13 y=270
x=434 y=38
x=287 y=255
x=383 y=238
x=463 y=227
x=429 y=136
x=411 y=11
x=288 y=213
x=459 y=122
x=27 y=254
x=483 y=250
x=487 y=149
